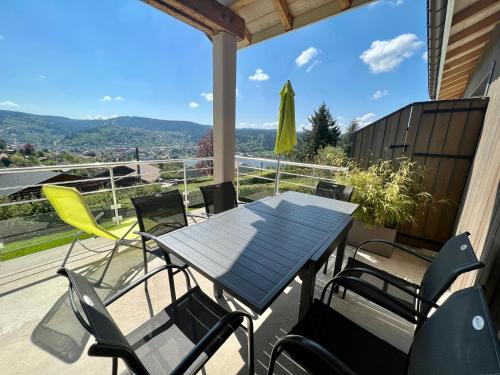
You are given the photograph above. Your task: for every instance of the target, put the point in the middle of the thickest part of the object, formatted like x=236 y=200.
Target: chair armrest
x=399 y=246
x=382 y=277
x=361 y=287
x=212 y=335
x=142 y=279
x=311 y=346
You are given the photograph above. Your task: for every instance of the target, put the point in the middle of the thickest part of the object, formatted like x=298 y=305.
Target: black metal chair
x=406 y=299
x=459 y=338
x=219 y=197
x=180 y=339
x=333 y=191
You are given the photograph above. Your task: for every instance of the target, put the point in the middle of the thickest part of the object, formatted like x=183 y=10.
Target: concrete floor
x=40 y=335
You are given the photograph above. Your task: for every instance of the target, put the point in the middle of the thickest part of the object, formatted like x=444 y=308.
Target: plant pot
x=360 y=233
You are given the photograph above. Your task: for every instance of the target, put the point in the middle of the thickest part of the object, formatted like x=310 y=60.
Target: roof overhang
x=458 y=33
x=252 y=21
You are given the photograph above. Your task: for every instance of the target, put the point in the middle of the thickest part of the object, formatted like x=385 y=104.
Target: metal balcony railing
x=187 y=174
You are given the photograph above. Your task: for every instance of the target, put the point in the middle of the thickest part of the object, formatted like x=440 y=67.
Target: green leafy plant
x=387 y=196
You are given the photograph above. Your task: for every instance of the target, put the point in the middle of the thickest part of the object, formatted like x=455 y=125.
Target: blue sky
x=122 y=57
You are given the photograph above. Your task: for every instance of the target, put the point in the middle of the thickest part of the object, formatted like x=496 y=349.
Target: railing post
x=115 y=206
x=186 y=202
x=237 y=180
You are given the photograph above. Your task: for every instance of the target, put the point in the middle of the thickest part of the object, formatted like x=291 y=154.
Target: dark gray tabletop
x=254 y=251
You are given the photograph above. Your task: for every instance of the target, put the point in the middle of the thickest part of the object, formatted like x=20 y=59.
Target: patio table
x=254 y=251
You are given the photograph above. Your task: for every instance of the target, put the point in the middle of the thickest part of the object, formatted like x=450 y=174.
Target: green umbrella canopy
x=286 y=137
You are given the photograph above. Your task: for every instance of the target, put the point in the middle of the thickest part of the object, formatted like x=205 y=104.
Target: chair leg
x=114 y=366
x=70 y=249
x=145 y=254
x=251 y=355
x=325 y=268
x=108 y=263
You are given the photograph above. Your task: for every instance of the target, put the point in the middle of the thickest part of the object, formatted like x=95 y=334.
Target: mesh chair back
x=110 y=342
x=458 y=338
x=71 y=208
x=334 y=191
x=456 y=257
x=219 y=197
x=160 y=213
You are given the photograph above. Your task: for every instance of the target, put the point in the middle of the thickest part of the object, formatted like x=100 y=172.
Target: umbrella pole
x=277 y=177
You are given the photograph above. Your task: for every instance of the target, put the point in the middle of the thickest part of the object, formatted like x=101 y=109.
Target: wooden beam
x=345 y=4
x=471 y=10
x=208 y=16
x=464 y=59
x=459 y=69
x=460 y=87
x=491 y=20
x=241 y=4
x=480 y=41
x=283 y=13
x=452 y=94
x=453 y=77
x=454 y=83
x=248 y=36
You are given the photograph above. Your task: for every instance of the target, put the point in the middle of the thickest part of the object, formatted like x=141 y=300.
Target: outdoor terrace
x=37 y=322
x=37 y=319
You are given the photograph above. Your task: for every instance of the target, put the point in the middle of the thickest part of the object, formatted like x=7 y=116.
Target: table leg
x=308 y=276
x=217 y=291
x=339 y=258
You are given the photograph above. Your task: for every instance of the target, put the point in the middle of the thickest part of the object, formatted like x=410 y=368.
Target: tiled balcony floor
x=40 y=335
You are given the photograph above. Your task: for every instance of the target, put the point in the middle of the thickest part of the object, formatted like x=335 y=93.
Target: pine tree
x=347 y=138
x=325 y=132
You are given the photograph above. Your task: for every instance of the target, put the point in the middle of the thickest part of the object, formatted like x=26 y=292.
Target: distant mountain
x=54 y=132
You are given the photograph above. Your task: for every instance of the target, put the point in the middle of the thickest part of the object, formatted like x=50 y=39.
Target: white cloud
x=108 y=98
x=374 y=4
x=193 y=105
x=1 y=37
x=379 y=94
x=8 y=103
x=259 y=76
x=208 y=96
x=238 y=94
x=387 y=55
x=393 y=3
x=396 y=3
x=366 y=119
x=99 y=117
x=264 y=125
x=303 y=127
x=306 y=56
x=425 y=56
x=314 y=64
x=41 y=76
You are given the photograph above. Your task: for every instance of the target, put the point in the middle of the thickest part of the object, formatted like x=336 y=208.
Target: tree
x=27 y=149
x=4 y=159
x=325 y=132
x=347 y=139
x=205 y=149
x=3 y=144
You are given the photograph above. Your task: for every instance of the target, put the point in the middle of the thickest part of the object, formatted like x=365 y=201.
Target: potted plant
x=387 y=197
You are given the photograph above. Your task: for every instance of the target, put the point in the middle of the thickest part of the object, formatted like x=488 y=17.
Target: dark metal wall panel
x=441 y=137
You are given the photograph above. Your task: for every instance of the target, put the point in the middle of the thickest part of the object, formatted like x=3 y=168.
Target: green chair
x=71 y=208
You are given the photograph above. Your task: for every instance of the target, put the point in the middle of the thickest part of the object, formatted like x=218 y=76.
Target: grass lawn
x=251 y=188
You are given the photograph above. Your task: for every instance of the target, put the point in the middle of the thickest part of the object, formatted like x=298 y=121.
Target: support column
x=224 y=105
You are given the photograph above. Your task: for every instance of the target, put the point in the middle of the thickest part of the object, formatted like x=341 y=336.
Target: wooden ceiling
x=252 y=21
x=470 y=32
